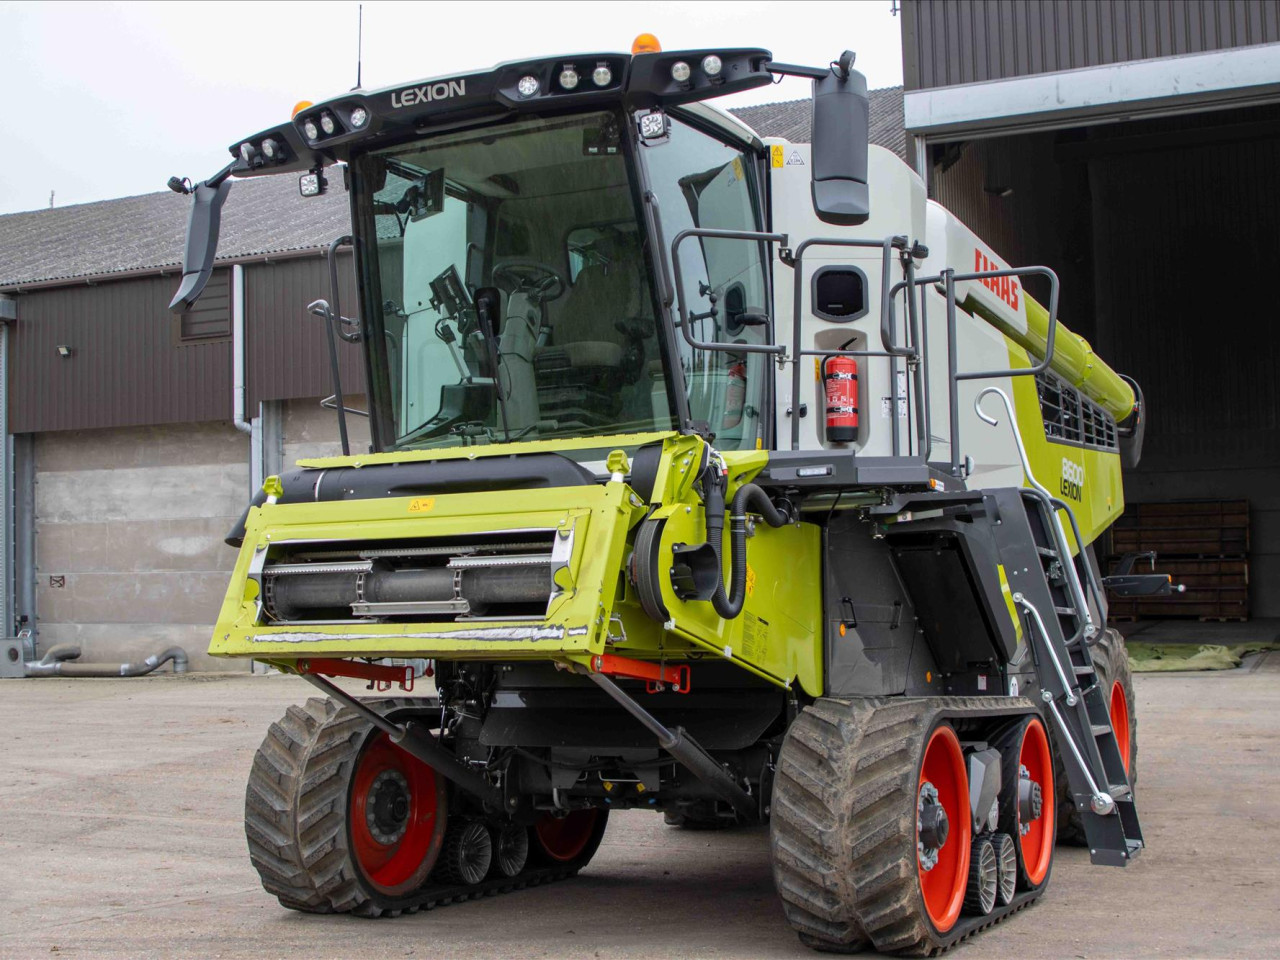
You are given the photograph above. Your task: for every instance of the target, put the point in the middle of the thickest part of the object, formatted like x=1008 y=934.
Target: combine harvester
x=724 y=477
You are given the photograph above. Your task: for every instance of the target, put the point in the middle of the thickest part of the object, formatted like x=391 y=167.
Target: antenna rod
x=359 y=43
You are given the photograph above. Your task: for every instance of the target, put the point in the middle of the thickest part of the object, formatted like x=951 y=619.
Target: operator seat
x=603 y=295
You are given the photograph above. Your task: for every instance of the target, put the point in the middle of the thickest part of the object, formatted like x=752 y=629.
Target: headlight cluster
x=268 y=150
x=711 y=68
x=334 y=122
x=569 y=77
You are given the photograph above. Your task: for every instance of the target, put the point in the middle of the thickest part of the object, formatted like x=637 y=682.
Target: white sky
x=106 y=100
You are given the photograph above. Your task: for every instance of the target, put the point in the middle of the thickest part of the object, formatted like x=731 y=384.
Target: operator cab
x=538 y=222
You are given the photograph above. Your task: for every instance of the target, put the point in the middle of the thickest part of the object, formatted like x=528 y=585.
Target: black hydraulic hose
x=749 y=497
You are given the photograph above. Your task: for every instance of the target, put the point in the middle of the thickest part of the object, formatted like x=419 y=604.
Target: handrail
x=685 y=325
x=1059 y=534
x=949 y=278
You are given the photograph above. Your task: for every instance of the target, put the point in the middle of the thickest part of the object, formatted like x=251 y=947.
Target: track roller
x=467 y=855
x=1006 y=867
x=510 y=850
x=984 y=877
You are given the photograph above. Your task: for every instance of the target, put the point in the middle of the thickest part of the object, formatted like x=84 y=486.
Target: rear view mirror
x=202 y=242
x=841 y=125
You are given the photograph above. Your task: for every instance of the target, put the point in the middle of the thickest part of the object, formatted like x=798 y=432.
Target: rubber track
x=843 y=823
x=1109 y=654
x=295 y=818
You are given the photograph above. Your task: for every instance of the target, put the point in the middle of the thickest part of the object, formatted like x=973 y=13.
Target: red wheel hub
x=1120 y=721
x=944 y=828
x=1035 y=833
x=564 y=838
x=397 y=817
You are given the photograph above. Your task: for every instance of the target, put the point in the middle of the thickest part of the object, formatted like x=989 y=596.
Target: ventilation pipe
x=62 y=661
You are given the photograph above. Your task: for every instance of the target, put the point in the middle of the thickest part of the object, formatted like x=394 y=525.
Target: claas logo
x=1006 y=288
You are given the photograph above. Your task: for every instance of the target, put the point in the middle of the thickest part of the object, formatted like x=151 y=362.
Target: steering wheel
x=531 y=277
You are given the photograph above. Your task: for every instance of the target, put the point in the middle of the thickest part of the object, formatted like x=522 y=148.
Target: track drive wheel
x=1027 y=800
x=870 y=831
x=1115 y=679
x=569 y=839
x=335 y=814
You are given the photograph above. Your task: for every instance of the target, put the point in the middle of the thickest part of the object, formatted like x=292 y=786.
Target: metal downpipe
x=63 y=661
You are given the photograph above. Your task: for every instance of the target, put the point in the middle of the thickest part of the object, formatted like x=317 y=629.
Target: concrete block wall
x=129 y=525
x=312 y=431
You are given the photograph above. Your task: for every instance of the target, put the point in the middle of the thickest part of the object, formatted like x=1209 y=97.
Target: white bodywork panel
x=899 y=206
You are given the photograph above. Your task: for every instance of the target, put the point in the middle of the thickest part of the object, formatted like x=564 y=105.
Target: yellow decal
x=422 y=505
x=751 y=581
x=1009 y=603
x=775 y=152
x=737 y=168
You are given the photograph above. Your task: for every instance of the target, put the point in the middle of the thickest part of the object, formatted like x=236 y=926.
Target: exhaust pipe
x=62 y=661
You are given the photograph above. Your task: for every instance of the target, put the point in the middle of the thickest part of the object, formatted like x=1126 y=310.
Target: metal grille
x=1071 y=417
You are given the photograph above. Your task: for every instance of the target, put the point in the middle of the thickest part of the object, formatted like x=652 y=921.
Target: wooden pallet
x=1202 y=544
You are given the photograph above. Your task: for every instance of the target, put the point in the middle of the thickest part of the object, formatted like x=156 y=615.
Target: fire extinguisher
x=735 y=395
x=840 y=379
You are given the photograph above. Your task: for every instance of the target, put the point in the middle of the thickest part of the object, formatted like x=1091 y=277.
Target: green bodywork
x=595 y=611
x=778 y=637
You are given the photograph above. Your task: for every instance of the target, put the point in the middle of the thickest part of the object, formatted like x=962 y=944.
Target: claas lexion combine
x=714 y=475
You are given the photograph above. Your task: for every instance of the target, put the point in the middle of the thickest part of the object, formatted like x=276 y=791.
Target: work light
x=326 y=122
x=601 y=76
x=310 y=129
x=680 y=71
x=711 y=65
x=359 y=116
x=568 y=78
x=527 y=86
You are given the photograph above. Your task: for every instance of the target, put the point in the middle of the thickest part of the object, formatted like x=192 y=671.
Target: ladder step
x=1120 y=791
x=1047 y=552
x=1065 y=611
x=1100 y=729
x=1083 y=669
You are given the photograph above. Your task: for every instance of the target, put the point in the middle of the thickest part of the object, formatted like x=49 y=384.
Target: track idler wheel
x=570 y=838
x=338 y=818
x=1027 y=798
x=943 y=828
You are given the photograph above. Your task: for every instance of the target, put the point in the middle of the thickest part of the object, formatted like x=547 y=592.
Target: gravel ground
x=120 y=836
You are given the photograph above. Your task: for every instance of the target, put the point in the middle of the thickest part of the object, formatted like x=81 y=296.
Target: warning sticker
x=795 y=160
x=751 y=581
x=422 y=505
x=755 y=638
x=737 y=168
x=776 y=155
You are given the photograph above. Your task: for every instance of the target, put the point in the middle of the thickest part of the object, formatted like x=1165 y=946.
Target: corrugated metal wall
x=947 y=42
x=288 y=355
x=125 y=368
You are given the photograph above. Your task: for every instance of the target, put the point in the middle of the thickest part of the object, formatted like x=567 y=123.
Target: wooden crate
x=1186 y=528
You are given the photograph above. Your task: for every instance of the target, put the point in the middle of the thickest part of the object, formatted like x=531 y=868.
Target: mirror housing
x=841 y=134
x=202 y=240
